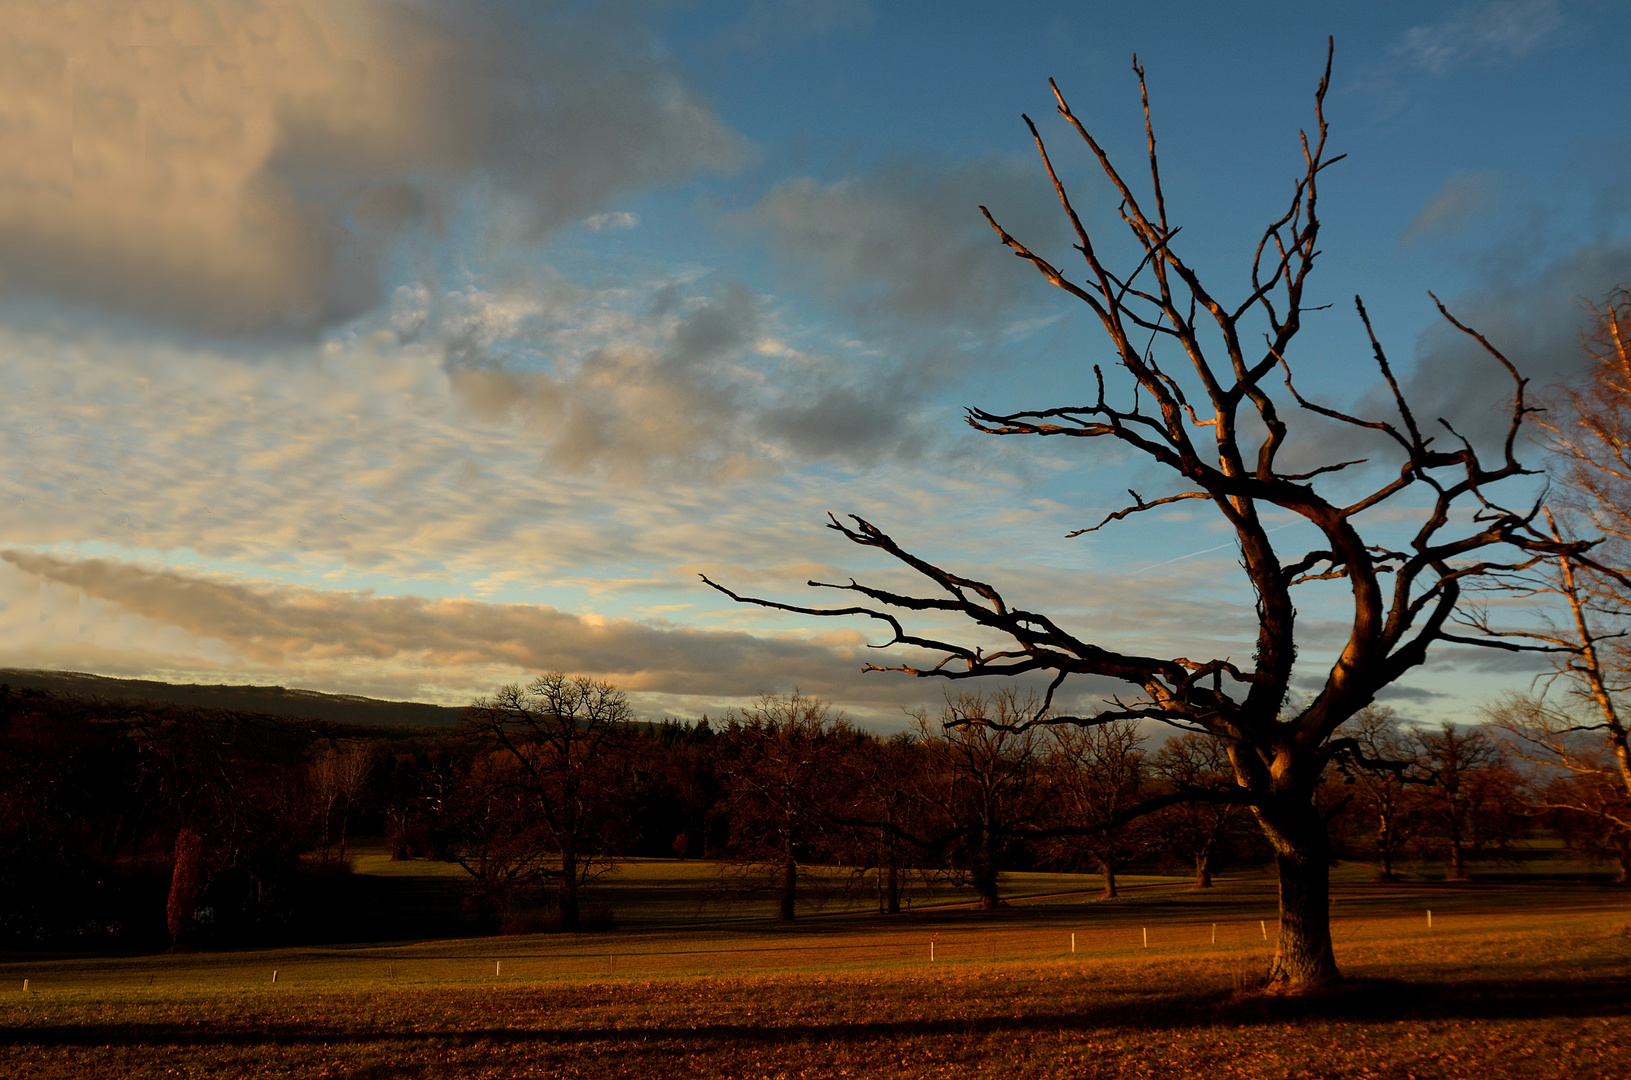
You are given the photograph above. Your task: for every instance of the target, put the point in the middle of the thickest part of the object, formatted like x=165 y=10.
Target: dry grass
x=1511 y=981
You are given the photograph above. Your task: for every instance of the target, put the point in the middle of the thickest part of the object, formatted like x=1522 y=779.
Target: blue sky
x=407 y=349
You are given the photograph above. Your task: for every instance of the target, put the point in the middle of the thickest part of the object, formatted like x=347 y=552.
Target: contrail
x=1206 y=551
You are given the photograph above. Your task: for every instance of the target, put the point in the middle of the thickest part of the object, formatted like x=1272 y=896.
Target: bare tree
x=1100 y=772
x=1203 y=408
x=339 y=775
x=563 y=733
x=1384 y=788
x=989 y=765
x=1201 y=829
x=783 y=757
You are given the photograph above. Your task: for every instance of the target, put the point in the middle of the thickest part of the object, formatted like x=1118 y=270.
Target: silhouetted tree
x=1097 y=774
x=989 y=773
x=1197 y=829
x=565 y=735
x=1387 y=774
x=781 y=767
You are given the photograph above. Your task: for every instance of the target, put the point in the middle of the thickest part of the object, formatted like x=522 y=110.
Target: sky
x=410 y=348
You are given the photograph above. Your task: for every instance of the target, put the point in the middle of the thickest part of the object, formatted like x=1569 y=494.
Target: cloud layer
x=242 y=167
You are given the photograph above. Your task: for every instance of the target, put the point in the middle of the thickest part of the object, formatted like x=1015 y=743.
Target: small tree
x=564 y=734
x=1204 y=411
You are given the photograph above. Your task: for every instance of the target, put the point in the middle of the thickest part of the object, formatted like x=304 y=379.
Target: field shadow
x=1368 y=1001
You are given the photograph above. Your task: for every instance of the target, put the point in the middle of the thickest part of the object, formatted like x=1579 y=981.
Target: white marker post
x=931 y=950
x=1146 y=937
x=1073 y=944
x=498 y=967
x=274 y=974
x=25 y=986
x=1264 y=924
x=1429 y=918
x=1214 y=933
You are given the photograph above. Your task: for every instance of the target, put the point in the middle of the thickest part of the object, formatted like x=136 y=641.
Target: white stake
x=25 y=986
x=274 y=974
x=1429 y=918
x=1264 y=924
x=931 y=951
x=1073 y=944
x=498 y=967
x=1146 y=937
x=1214 y=933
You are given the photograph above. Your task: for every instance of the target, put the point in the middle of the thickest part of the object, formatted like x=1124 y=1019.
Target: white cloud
x=615 y=219
x=1480 y=33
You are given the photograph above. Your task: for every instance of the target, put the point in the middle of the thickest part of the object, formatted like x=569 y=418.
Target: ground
x=1528 y=979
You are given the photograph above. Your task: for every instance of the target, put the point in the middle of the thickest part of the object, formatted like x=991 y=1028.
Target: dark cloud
x=908 y=240
x=242 y=168
x=1537 y=324
x=278 y=627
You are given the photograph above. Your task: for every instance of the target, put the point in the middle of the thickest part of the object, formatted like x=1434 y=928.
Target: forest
x=135 y=825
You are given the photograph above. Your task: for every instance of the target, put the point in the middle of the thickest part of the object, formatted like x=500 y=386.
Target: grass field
x=1512 y=980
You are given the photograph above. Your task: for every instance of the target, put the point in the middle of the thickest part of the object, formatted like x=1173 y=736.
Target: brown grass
x=1511 y=982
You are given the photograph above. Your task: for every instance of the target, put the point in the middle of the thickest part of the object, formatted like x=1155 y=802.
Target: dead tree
x=1204 y=407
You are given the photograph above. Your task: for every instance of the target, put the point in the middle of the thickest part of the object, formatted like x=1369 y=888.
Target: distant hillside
x=267 y=700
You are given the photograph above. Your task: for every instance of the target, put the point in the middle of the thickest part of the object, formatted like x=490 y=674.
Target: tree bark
x=1108 y=868
x=894 y=889
x=1302 y=855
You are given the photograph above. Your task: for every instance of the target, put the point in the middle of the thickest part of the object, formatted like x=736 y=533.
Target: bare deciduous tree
x=1100 y=772
x=563 y=733
x=1204 y=409
x=988 y=757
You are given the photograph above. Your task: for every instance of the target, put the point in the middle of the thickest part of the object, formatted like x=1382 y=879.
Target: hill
x=265 y=700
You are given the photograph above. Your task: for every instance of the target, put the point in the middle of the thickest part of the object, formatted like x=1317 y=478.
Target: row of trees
x=132 y=825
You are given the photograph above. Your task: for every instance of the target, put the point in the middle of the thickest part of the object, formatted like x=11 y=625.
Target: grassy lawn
x=1529 y=981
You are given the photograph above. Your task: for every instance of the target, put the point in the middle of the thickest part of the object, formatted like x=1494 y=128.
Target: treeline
x=137 y=825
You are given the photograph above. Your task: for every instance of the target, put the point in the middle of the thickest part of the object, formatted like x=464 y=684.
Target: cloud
x=242 y=168
x=1480 y=33
x=1536 y=322
x=1463 y=197
x=773 y=21
x=908 y=240
x=136 y=618
x=618 y=219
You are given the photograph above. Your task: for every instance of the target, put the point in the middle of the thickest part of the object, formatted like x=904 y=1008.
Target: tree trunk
x=789 y=890
x=1458 y=860
x=567 y=895
x=1384 y=850
x=1108 y=867
x=1302 y=854
x=894 y=888
x=1203 y=870
x=986 y=861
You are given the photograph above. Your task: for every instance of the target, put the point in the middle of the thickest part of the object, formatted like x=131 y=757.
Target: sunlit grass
x=1509 y=981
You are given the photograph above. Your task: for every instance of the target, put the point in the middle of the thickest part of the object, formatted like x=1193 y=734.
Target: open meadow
x=1511 y=980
